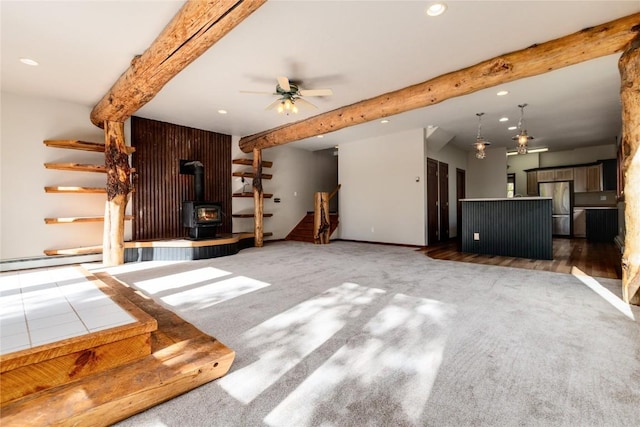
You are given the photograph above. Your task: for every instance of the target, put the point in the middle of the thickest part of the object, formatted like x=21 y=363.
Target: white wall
x=578 y=156
x=294 y=182
x=380 y=200
x=26 y=123
x=456 y=159
x=487 y=177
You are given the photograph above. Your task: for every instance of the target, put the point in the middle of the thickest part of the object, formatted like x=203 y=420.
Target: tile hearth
x=42 y=306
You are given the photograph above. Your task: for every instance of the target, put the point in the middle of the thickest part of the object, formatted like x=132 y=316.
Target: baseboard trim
x=404 y=245
x=48 y=261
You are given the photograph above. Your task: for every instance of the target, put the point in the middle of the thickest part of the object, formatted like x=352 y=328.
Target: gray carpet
x=352 y=334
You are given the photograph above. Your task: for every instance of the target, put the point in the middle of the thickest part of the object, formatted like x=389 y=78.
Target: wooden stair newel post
x=321 y=221
x=118 y=188
x=629 y=66
x=258 y=198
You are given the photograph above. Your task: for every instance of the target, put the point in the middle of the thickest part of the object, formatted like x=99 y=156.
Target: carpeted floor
x=352 y=334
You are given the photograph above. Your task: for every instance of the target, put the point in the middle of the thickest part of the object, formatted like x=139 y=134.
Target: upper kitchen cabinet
x=548 y=175
x=532 y=184
x=587 y=178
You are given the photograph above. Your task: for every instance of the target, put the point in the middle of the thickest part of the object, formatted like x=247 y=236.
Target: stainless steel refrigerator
x=561 y=193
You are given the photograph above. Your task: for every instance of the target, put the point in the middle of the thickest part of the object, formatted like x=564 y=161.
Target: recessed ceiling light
x=503 y=93
x=512 y=127
x=320 y=136
x=222 y=111
x=29 y=61
x=383 y=121
x=436 y=9
x=504 y=119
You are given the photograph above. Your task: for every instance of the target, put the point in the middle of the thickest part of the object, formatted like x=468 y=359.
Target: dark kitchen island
x=518 y=227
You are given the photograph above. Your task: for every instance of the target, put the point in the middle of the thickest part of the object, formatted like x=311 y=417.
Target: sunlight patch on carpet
x=385 y=373
x=605 y=293
x=179 y=280
x=211 y=294
x=281 y=342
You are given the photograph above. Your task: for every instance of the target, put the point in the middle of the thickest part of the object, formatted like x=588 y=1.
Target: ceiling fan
x=290 y=96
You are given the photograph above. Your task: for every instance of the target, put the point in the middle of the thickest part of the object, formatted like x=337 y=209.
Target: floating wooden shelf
x=58 y=189
x=250 y=194
x=77 y=219
x=87 y=250
x=251 y=234
x=78 y=167
x=250 y=215
x=249 y=162
x=80 y=145
x=250 y=175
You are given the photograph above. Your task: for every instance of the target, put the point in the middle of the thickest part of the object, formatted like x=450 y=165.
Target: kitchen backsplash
x=596 y=198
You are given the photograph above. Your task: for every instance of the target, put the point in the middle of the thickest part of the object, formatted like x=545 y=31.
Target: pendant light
x=522 y=137
x=480 y=143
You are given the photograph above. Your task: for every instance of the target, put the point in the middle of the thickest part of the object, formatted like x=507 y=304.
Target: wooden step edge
x=73 y=144
x=119 y=393
x=77 y=219
x=249 y=162
x=248 y=194
x=86 y=250
x=250 y=175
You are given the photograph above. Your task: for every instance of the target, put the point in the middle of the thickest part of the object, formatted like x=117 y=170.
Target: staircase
x=303 y=232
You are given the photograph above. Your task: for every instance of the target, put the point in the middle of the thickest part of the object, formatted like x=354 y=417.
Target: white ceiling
x=360 y=49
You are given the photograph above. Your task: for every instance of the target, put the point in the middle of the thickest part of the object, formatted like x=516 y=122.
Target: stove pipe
x=198 y=179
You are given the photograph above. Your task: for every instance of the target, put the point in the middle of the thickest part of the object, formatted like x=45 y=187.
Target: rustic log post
x=629 y=66
x=118 y=188
x=321 y=221
x=590 y=43
x=258 y=198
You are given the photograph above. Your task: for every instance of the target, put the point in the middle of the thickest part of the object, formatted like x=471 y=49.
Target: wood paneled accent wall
x=159 y=186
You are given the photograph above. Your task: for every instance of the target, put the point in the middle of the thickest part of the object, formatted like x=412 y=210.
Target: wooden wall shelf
x=87 y=250
x=249 y=162
x=80 y=145
x=250 y=175
x=250 y=215
x=77 y=219
x=58 y=189
x=250 y=194
x=76 y=167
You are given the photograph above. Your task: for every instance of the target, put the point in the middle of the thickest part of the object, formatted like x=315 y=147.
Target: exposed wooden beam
x=629 y=66
x=196 y=27
x=572 y=49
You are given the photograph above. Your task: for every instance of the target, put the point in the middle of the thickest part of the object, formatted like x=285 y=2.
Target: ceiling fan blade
x=284 y=83
x=316 y=92
x=273 y=105
x=304 y=104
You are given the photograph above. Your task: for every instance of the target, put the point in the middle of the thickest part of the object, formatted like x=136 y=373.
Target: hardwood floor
x=594 y=259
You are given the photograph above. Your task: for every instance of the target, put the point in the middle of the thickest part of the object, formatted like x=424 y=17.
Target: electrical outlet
x=603 y=197
x=476 y=236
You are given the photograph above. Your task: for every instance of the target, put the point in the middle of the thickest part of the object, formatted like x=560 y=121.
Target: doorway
x=461 y=193
x=437 y=201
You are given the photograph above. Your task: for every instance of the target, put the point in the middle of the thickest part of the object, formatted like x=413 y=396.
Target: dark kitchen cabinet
x=602 y=224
